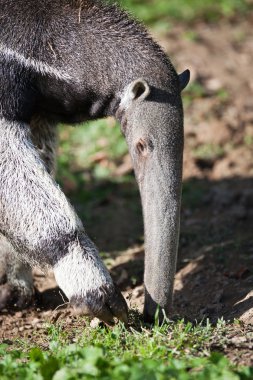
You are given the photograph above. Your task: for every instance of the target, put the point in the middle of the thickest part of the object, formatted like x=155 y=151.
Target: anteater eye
x=142 y=147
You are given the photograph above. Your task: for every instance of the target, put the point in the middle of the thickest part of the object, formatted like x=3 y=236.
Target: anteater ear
x=138 y=89
x=184 y=78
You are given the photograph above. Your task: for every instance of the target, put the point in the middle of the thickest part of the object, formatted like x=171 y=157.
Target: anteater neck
x=120 y=51
x=75 y=64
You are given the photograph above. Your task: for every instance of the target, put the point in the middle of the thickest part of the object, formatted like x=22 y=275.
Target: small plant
x=175 y=350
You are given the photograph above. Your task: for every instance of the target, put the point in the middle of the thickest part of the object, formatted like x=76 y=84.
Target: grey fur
x=42 y=226
x=18 y=276
x=17 y=273
x=45 y=139
x=70 y=61
x=154 y=133
x=3 y=260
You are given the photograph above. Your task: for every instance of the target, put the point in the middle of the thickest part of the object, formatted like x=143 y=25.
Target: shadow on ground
x=215 y=271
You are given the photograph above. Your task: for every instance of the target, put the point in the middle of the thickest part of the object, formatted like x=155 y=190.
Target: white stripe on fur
x=41 y=67
x=82 y=271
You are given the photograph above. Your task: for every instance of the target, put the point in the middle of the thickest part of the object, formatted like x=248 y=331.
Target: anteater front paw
x=12 y=297
x=105 y=303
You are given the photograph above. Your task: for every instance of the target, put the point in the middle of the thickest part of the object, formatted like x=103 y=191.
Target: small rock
x=213 y=84
x=35 y=321
x=237 y=340
x=95 y=323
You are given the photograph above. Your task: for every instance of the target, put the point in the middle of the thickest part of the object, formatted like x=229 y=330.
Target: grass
x=93 y=148
x=175 y=350
x=160 y=13
x=209 y=151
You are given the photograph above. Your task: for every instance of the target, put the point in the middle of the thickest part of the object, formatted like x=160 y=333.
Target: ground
x=214 y=278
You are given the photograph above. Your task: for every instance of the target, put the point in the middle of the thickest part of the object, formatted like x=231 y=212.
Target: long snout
x=153 y=126
x=161 y=198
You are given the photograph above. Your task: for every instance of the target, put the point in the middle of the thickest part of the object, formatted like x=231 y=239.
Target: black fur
x=70 y=61
x=96 y=45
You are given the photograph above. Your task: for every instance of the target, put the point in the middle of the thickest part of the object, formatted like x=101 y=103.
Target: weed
x=175 y=350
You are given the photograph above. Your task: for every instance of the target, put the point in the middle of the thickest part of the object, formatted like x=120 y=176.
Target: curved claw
x=104 y=308
x=106 y=316
x=118 y=306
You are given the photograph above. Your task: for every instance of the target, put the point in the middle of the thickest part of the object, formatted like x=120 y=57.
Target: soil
x=215 y=272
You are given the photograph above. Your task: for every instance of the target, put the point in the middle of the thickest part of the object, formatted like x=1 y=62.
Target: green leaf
x=36 y=355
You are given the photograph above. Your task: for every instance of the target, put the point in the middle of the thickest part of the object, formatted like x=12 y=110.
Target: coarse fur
x=71 y=61
x=15 y=277
x=97 y=46
x=38 y=219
